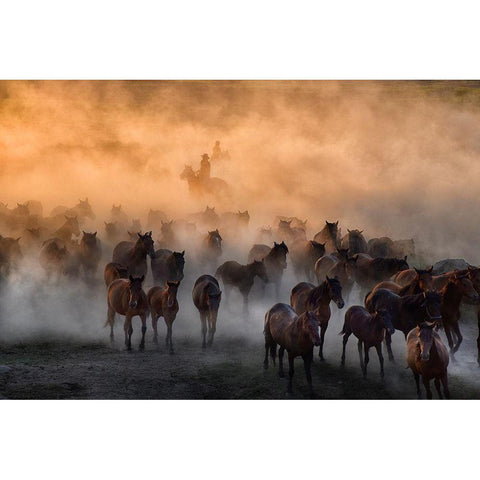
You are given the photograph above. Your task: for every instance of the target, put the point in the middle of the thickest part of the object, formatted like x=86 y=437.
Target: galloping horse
x=167 y=266
x=297 y=334
x=134 y=255
x=204 y=186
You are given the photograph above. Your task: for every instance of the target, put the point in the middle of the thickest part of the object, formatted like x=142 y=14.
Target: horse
x=112 y=231
x=167 y=266
x=163 y=303
x=380 y=247
x=275 y=260
x=155 y=218
x=306 y=297
x=214 y=186
x=369 y=271
x=206 y=297
x=304 y=255
x=68 y=229
x=134 y=255
x=90 y=252
x=292 y=234
x=54 y=257
x=406 y=312
x=235 y=220
x=233 y=274
x=341 y=266
x=297 y=334
x=82 y=211
x=169 y=238
x=370 y=329
x=126 y=297
x=118 y=215
x=113 y=271
x=10 y=254
x=264 y=235
x=329 y=235
x=211 y=249
x=422 y=282
x=427 y=357
x=458 y=286
x=354 y=241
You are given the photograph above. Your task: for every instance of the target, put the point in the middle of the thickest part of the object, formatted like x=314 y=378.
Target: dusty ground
x=232 y=369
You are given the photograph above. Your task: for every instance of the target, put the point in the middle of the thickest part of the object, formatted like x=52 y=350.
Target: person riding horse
x=204 y=172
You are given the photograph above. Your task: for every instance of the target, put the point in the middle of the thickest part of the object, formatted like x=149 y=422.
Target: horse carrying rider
x=204 y=172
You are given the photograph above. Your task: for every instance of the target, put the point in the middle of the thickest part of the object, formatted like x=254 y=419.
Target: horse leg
x=388 y=343
x=281 y=373
x=127 y=327
x=323 y=329
x=437 y=387
x=448 y=334
x=154 y=326
x=245 y=304
x=478 y=338
x=456 y=329
x=444 y=381
x=111 y=321
x=417 y=382
x=143 y=318
x=426 y=384
x=265 y=361
x=212 y=327
x=345 y=340
x=307 y=364
x=204 y=328
x=168 y=339
x=367 y=359
x=378 y=347
x=359 y=345
x=291 y=371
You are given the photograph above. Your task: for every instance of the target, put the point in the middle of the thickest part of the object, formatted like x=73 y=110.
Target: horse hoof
x=265 y=366
x=141 y=347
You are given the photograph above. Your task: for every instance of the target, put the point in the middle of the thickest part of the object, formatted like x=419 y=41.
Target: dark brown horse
x=329 y=235
x=112 y=232
x=458 y=286
x=169 y=238
x=90 y=253
x=339 y=265
x=167 y=266
x=211 y=249
x=354 y=241
x=370 y=330
x=422 y=282
x=113 y=271
x=275 y=260
x=406 y=312
x=233 y=274
x=206 y=296
x=68 y=229
x=82 y=211
x=10 y=254
x=54 y=257
x=380 y=247
x=134 y=255
x=297 y=334
x=163 y=303
x=126 y=297
x=304 y=255
x=306 y=297
x=427 y=357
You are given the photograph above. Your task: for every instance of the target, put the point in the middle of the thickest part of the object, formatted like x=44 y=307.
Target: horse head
x=335 y=291
x=147 y=242
x=134 y=290
x=426 y=337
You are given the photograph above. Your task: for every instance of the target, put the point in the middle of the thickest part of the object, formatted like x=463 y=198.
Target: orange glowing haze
x=393 y=158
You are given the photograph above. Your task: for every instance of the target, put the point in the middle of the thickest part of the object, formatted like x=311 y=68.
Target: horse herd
x=417 y=302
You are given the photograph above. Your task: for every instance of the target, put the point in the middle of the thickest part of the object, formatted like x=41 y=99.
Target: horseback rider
x=204 y=172
x=217 y=151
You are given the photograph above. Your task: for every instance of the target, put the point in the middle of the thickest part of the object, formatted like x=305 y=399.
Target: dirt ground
x=231 y=369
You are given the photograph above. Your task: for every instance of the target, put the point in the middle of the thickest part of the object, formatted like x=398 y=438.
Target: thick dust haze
x=393 y=158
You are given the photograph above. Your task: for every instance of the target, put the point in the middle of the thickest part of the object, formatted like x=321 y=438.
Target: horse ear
x=105 y=223
x=183 y=253
x=83 y=231
x=405 y=258
x=415 y=270
x=130 y=278
x=18 y=239
x=142 y=278
x=94 y=234
x=348 y=230
x=328 y=279
x=360 y=232
x=138 y=233
x=430 y=269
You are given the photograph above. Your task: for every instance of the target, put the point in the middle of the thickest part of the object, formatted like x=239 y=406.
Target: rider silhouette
x=204 y=172
x=217 y=151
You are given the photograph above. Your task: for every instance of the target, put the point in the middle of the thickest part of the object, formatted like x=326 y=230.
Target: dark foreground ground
x=232 y=369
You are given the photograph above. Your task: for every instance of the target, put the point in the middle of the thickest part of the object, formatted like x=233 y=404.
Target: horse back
x=258 y=252
x=299 y=295
x=122 y=252
x=277 y=321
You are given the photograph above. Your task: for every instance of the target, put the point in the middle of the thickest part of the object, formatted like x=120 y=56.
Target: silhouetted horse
x=329 y=236
x=369 y=329
x=211 y=249
x=163 y=303
x=68 y=229
x=82 y=211
x=306 y=297
x=10 y=254
x=134 y=255
x=355 y=242
x=113 y=271
x=167 y=266
x=297 y=334
x=54 y=257
x=126 y=297
x=90 y=253
x=112 y=232
x=304 y=255
x=406 y=312
x=422 y=282
x=169 y=238
x=427 y=357
x=380 y=247
x=204 y=186
x=206 y=296
x=241 y=276
x=292 y=234
x=275 y=260
x=341 y=266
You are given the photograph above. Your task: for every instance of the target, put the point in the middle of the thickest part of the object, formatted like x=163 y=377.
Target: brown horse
x=337 y=265
x=112 y=232
x=329 y=235
x=199 y=187
x=54 y=257
x=82 y=211
x=206 y=296
x=380 y=247
x=369 y=271
x=297 y=334
x=422 y=282
x=407 y=276
x=458 y=286
x=169 y=238
x=406 y=312
x=163 y=303
x=90 y=253
x=68 y=229
x=211 y=249
x=304 y=255
x=113 y=271
x=369 y=329
x=354 y=241
x=275 y=260
x=427 y=357
x=126 y=297
x=167 y=266
x=233 y=274
x=306 y=297
x=134 y=255
x=10 y=254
